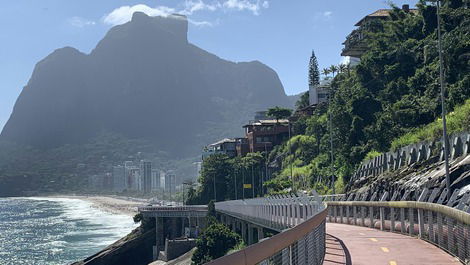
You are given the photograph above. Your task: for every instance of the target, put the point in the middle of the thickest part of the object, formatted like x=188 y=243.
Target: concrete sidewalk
x=348 y=244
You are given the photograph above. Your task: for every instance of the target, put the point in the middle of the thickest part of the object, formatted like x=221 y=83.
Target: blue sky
x=279 y=33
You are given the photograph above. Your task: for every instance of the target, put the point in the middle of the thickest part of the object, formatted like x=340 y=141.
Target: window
x=259 y=139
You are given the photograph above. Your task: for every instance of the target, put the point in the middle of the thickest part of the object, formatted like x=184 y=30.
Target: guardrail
x=300 y=220
x=446 y=227
x=278 y=212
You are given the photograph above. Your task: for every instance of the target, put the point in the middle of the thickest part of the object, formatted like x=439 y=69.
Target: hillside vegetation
x=394 y=90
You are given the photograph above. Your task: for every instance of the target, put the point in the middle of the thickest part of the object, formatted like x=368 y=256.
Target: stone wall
x=408 y=155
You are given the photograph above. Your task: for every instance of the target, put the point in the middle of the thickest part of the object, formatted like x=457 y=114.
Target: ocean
x=49 y=231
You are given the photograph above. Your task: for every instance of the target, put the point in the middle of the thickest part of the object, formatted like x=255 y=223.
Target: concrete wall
x=408 y=155
x=176 y=248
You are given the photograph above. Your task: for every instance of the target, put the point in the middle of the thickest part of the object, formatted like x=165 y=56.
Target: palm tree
x=325 y=72
x=333 y=69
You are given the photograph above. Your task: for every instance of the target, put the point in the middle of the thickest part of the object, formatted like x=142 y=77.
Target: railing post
x=392 y=219
x=411 y=218
x=347 y=214
x=341 y=214
x=460 y=241
x=363 y=216
x=382 y=211
x=402 y=221
x=421 y=223
x=440 y=235
x=371 y=216
x=450 y=234
x=285 y=256
x=355 y=215
x=431 y=234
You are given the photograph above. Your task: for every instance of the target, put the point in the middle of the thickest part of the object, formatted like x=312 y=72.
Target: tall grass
x=457 y=121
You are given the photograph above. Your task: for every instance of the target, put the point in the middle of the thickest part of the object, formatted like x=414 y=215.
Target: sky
x=279 y=33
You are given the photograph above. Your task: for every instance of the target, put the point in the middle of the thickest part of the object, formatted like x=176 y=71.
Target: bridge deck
x=366 y=246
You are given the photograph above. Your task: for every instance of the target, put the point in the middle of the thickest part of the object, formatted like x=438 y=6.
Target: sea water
x=49 y=231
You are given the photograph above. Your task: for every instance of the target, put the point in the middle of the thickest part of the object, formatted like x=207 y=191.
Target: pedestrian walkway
x=357 y=245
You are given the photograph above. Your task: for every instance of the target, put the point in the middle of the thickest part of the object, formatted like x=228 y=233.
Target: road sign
x=247 y=186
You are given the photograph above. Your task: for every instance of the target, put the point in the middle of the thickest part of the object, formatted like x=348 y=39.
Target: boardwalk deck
x=368 y=246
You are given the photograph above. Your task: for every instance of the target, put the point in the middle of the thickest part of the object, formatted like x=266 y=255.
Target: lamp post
x=442 y=96
x=266 y=168
x=291 y=164
x=444 y=122
x=331 y=141
x=215 y=190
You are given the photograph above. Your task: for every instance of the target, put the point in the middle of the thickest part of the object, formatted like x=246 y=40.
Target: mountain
x=143 y=80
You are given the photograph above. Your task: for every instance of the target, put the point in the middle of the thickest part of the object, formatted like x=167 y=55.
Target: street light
x=443 y=110
x=331 y=141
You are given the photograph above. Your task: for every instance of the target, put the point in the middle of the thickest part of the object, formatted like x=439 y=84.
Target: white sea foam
x=103 y=228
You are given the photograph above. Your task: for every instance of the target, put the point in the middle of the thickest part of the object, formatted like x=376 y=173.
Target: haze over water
x=47 y=231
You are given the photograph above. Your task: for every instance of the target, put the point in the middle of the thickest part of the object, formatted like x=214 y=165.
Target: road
x=348 y=244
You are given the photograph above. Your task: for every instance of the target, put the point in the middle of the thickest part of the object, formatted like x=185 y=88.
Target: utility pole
x=266 y=168
x=235 y=178
x=215 y=191
x=444 y=122
x=243 y=178
x=252 y=181
x=290 y=152
x=331 y=141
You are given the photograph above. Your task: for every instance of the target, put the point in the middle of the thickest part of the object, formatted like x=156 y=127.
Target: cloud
x=123 y=14
x=201 y=23
x=191 y=6
x=80 y=22
x=241 y=5
x=327 y=14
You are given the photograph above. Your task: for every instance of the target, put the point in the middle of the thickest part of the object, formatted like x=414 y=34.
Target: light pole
x=266 y=168
x=252 y=181
x=235 y=180
x=215 y=191
x=442 y=96
x=444 y=122
x=331 y=141
x=290 y=152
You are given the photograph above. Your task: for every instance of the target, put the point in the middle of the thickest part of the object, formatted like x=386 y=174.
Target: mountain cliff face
x=144 y=80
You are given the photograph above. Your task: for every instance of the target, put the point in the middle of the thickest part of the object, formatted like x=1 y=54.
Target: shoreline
x=125 y=206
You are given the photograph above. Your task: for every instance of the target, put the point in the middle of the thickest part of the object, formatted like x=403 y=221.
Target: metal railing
x=300 y=220
x=278 y=212
x=446 y=227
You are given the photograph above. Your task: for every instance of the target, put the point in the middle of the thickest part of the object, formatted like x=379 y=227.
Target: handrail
x=260 y=251
x=458 y=215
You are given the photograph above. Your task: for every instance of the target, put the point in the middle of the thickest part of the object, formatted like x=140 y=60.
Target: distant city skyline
x=280 y=34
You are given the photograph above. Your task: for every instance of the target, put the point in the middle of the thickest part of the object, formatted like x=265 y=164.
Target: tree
x=333 y=69
x=304 y=101
x=279 y=113
x=215 y=242
x=313 y=72
x=325 y=72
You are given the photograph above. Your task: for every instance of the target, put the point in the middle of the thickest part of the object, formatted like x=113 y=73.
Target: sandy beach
x=117 y=205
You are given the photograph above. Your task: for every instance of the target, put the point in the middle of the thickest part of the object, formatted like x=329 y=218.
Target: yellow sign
x=247 y=186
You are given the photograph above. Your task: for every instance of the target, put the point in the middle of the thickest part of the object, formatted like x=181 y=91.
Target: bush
x=215 y=242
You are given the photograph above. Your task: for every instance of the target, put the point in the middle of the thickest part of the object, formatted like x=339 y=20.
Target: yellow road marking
x=393 y=262
x=373 y=239
x=384 y=249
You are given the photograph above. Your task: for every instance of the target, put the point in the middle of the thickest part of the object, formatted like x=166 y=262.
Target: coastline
x=121 y=205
